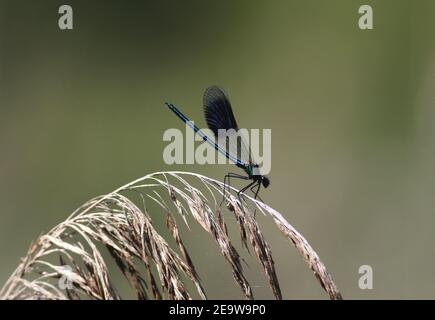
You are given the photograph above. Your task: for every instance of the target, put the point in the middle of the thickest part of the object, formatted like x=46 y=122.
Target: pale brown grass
x=71 y=251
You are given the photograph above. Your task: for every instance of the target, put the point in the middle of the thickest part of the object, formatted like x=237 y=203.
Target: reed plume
x=67 y=262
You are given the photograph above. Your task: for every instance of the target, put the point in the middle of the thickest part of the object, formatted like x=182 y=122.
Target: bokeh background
x=351 y=113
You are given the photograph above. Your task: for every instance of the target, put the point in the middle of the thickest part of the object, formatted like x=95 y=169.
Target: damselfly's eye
x=266 y=181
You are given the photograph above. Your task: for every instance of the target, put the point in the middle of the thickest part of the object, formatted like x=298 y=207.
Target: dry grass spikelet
x=71 y=251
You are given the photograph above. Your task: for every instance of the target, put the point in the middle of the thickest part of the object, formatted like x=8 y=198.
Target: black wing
x=219 y=115
x=217 y=110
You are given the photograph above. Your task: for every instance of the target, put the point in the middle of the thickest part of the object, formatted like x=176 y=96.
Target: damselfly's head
x=265 y=181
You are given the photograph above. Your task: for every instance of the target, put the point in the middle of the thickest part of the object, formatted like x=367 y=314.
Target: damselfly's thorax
x=253 y=171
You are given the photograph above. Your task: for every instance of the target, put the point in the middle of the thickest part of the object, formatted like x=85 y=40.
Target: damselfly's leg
x=243 y=190
x=228 y=176
x=256 y=194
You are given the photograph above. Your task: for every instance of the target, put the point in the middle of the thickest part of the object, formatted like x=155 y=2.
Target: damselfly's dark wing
x=218 y=111
x=219 y=115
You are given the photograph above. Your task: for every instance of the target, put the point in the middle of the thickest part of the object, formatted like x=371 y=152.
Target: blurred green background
x=351 y=113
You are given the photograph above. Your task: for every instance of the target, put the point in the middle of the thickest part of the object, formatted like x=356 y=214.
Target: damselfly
x=219 y=116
